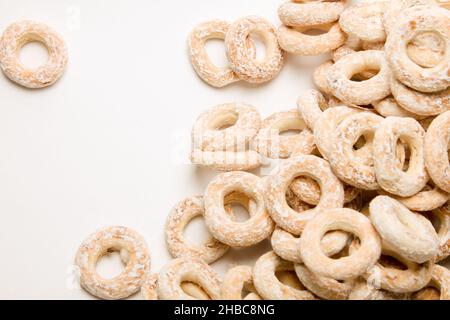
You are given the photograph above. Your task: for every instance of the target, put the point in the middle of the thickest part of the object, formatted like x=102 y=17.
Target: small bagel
x=297 y=41
x=320 y=77
x=287 y=246
x=242 y=60
x=365 y=21
x=347 y=267
x=236 y=280
x=424 y=104
x=103 y=241
x=271 y=144
x=206 y=70
x=412 y=22
x=389 y=107
x=279 y=182
x=437 y=141
x=346 y=50
x=325 y=288
x=363 y=92
x=389 y=176
x=187 y=270
x=267 y=284
x=310 y=13
x=225 y=127
x=414 y=278
x=177 y=220
x=346 y=163
x=237 y=234
x=310 y=105
x=430 y=198
x=407 y=233
x=19 y=34
x=326 y=124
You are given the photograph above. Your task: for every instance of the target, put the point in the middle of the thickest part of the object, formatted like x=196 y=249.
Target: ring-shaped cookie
x=409 y=234
x=360 y=92
x=437 y=141
x=226 y=127
x=364 y=21
x=326 y=124
x=430 y=198
x=346 y=163
x=297 y=41
x=237 y=234
x=310 y=105
x=323 y=287
x=412 y=22
x=320 y=77
x=310 y=13
x=278 y=183
x=19 y=34
x=347 y=267
x=182 y=270
x=180 y=216
x=389 y=175
x=389 y=107
x=346 y=50
x=236 y=280
x=424 y=104
x=272 y=144
x=102 y=242
x=415 y=277
x=242 y=61
x=213 y=75
x=267 y=283
x=287 y=246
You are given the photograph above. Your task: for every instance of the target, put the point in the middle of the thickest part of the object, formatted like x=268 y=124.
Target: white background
x=108 y=143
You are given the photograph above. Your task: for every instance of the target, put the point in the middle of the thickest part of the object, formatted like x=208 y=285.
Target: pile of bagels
x=355 y=202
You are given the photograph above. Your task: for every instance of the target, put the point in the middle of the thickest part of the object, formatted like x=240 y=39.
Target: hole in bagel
x=33 y=54
x=427 y=49
x=434 y=219
x=290 y=127
x=216 y=52
x=260 y=46
x=111 y=263
x=360 y=143
x=196 y=232
x=194 y=290
x=239 y=205
x=364 y=75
